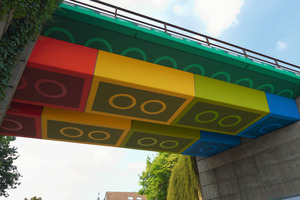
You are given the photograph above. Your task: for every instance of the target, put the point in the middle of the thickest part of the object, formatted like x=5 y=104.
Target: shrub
x=184 y=182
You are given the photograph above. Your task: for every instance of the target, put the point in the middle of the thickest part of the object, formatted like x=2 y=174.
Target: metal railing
x=179 y=32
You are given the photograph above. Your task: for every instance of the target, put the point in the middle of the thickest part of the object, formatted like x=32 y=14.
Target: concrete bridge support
x=20 y=64
x=264 y=168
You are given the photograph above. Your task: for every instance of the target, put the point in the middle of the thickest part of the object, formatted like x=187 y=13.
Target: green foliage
x=155 y=179
x=184 y=182
x=20 y=6
x=9 y=175
x=28 y=18
x=34 y=198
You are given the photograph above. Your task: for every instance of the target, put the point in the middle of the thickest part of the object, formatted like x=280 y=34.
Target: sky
x=62 y=171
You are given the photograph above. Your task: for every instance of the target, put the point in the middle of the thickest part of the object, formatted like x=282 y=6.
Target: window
x=130 y=198
x=139 y=198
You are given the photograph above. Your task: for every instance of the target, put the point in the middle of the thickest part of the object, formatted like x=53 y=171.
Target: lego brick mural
x=81 y=127
x=130 y=88
x=223 y=107
x=57 y=74
x=283 y=111
x=22 y=120
x=211 y=143
x=78 y=94
x=157 y=137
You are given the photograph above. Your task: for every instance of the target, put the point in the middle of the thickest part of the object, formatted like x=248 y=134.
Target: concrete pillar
x=20 y=64
x=5 y=22
x=264 y=168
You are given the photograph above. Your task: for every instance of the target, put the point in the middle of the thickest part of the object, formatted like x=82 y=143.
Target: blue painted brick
x=211 y=143
x=283 y=111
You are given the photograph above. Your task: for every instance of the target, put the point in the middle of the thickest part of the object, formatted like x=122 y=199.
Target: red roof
x=123 y=196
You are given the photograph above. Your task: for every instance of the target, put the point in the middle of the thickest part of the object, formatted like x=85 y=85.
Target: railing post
x=207 y=40
x=277 y=63
x=165 y=27
x=116 y=12
x=245 y=53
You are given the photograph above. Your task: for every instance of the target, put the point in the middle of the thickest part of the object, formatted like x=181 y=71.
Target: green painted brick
x=95 y=19
x=88 y=28
x=273 y=72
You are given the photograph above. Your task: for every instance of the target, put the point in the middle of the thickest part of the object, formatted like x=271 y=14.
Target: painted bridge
x=108 y=76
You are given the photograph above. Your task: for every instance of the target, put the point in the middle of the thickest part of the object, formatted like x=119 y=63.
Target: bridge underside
x=100 y=80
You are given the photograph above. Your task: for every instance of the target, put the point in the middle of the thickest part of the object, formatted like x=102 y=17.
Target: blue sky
x=60 y=170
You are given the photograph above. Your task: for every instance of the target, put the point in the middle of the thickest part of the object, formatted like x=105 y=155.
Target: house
x=124 y=196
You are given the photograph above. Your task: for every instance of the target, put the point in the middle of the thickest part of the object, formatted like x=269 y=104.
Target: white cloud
x=159 y=4
x=136 y=167
x=218 y=15
x=63 y=170
x=281 y=45
x=178 y=10
x=183 y=10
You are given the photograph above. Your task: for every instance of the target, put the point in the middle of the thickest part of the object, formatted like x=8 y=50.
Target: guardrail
x=176 y=31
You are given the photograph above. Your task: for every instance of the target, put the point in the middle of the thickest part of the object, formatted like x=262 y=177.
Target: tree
x=34 y=198
x=9 y=174
x=155 y=179
x=184 y=181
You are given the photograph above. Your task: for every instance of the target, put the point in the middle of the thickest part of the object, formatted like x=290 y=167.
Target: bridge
x=108 y=76
x=103 y=75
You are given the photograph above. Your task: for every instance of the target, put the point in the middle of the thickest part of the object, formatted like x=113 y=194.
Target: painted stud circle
x=216 y=115
x=154 y=141
x=153 y=101
x=239 y=119
x=80 y=132
x=162 y=144
x=263 y=130
x=208 y=149
x=112 y=98
x=107 y=135
x=54 y=96
x=18 y=127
